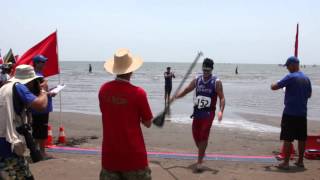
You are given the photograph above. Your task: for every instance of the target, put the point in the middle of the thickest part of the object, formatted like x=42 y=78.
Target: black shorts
x=167 y=89
x=40 y=126
x=293 y=128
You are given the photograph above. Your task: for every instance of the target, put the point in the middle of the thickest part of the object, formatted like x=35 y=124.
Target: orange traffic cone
x=62 y=136
x=281 y=156
x=49 y=141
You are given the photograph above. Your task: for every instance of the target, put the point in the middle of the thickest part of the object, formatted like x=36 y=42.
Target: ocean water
x=247 y=92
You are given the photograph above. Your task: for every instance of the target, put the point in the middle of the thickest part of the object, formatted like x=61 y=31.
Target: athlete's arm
x=219 y=90
x=188 y=89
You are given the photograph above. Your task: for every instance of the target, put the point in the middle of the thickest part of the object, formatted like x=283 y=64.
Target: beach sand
x=86 y=130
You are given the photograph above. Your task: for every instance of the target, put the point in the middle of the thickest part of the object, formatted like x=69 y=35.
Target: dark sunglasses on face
x=207 y=70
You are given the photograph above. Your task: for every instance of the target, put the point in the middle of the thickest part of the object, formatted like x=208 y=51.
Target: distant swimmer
x=168 y=75
x=90 y=68
x=236 y=71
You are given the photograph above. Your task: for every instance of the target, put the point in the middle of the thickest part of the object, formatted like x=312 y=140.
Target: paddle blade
x=159 y=119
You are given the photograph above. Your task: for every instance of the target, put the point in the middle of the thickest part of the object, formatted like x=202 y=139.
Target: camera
x=34 y=152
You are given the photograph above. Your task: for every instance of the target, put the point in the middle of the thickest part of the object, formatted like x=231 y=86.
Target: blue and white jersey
x=205 y=97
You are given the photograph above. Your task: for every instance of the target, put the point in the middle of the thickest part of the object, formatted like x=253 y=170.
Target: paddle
x=159 y=119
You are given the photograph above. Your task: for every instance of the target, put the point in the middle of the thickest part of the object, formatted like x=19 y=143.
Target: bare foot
x=198 y=168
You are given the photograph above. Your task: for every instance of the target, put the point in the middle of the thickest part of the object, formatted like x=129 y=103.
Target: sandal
x=299 y=165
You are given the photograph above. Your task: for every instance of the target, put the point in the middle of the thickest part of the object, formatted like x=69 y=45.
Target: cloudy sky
x=230 y=31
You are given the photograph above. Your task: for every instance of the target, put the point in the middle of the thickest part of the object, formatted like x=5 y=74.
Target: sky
x=229 y=31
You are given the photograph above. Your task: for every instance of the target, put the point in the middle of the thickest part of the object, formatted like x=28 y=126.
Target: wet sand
x=85 y=131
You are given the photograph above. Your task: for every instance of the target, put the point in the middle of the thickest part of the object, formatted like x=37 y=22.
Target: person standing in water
x=90 y=68
x=208 y=88
x=236 y=71
x=168 y=75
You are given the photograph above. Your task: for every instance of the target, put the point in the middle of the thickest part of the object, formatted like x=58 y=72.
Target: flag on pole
x=9 y=58
x=297 y=42
x=48 y=48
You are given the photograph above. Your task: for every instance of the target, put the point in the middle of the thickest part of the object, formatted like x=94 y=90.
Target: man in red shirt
x=123 y=107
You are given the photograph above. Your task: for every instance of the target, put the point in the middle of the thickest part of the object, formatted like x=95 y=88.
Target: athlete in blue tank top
x=208 y=89
x=205 y=97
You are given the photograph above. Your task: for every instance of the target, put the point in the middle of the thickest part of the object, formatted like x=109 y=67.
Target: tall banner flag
x=48 y=48
x=9 y=58
x=297 y=42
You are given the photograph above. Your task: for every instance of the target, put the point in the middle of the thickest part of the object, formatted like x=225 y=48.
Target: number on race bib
x=202 y=102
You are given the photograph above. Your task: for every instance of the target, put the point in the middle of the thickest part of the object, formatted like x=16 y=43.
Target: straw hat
x=122 y=63
x=24 y=74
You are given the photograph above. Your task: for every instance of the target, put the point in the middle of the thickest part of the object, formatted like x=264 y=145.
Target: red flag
x=48 y=48
x=297 y=42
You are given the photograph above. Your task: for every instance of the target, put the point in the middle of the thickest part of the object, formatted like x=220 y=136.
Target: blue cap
x=292 y=60
x=39 y=58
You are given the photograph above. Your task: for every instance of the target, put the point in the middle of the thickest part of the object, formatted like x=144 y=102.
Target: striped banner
x=172 y=155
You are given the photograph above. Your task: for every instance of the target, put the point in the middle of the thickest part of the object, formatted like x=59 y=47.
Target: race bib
x=202 y=102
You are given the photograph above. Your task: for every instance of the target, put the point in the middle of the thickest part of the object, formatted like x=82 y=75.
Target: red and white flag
x=48 y=48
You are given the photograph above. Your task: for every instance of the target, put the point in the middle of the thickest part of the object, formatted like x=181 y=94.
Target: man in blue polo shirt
x=40 y=119
x=16 y=97
x=294 y=119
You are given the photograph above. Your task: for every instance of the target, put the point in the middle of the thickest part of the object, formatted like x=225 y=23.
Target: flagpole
x=296 y=44
x=59 y=77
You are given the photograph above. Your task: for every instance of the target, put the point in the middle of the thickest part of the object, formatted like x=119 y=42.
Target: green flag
x=9 y=57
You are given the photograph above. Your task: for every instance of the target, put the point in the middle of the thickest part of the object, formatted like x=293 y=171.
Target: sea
x=245 y=92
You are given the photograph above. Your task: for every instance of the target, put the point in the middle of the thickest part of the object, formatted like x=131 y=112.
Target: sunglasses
x=207 y=70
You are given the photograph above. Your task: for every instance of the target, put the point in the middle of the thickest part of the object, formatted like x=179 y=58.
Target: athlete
x=207 y=89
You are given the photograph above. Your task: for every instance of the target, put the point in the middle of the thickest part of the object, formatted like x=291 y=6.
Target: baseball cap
x=292 y=60
x=39 y=58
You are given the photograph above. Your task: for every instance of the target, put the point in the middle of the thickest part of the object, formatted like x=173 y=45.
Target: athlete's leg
x=202 y=146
